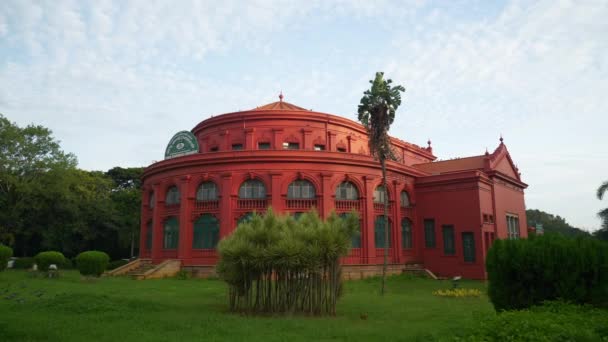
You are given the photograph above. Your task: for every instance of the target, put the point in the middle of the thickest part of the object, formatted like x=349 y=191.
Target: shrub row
x=526 y=272
x=552 y=321
x=5 y=254
x=92 y=263
x=24 y=263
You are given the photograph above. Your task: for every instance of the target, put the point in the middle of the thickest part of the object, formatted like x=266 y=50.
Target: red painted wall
x=459 y=199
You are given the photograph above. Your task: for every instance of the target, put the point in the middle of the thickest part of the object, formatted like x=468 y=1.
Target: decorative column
x=225 y=144
x=143 y=221
x=277 y=139
x=227 y=220
x=306 y=138
x=326 y=204
x=367 y=231
x=249 y=141
x=331 y=141
x=275 y=192
x=396 y=208
x=184 y=251
x=157 y=230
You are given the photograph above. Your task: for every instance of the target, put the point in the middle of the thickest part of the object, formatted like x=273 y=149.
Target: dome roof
x=279 y=105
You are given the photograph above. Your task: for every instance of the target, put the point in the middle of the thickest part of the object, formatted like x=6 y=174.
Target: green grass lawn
x=121 y=309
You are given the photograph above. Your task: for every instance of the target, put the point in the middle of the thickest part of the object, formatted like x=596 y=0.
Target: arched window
x=207 y=191
x=405 y=199
x=149 y=228
x=151 y=200
x=301 y=189
x=172 y=196
x=245 y=218
x=356 y=241
x=206 y=232
x=380 y=195
x=379 y=234
x=252 y=188
x=347 y=191
x=406 y=233
x=171 y=233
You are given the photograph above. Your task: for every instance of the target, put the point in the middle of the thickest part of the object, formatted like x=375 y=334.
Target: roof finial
x=428 y=142
x=487 y=153
x=501 y=139
x=281 y=96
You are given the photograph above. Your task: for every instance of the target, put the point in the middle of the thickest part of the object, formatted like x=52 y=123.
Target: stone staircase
x=419 y=270
x=140 y=270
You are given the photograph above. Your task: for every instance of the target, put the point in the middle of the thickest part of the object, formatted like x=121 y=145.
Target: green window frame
x=347 y=191
x=356 y=240
x=149 y=229
x=449 y=245
x=207 y=191
x=429 y=233
x=245 y=218
x=252 y=189
x=263 y=146
x=406 y=233
x=380 y=195
x=379 y=236
x=171 y=233
x=173 y=196
x=405 y=199
x=468 y=246
x=206 y=233
x=301 y=188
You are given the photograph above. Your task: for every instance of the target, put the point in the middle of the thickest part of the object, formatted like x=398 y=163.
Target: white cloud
x=115 y=79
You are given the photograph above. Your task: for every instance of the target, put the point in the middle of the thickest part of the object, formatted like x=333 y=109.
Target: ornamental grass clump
x=5 y=254
x=92 y=263
x=276 y=264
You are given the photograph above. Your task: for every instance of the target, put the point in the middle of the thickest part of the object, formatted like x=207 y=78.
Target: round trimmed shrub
x=45 y=259
x=24 y=263
x=92 y=263
x=5 y=254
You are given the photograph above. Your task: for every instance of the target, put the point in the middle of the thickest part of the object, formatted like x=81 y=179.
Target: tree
x=126 y=195
x=603 y=214
x=553 y=223
x=376 y=112
x=26 y=156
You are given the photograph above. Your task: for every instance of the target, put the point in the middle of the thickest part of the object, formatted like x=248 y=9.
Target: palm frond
x=602 y=190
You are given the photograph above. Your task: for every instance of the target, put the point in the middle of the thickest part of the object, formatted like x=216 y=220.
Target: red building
x=442 y=214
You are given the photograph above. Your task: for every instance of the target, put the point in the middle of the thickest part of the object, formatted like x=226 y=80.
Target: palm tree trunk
x=386 y=228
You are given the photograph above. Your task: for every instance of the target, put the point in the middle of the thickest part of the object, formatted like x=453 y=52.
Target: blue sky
x=115 y=80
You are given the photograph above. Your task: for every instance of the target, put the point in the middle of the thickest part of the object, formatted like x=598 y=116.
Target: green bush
x=66 y=264
x=552 y=321
x=116 y=264
x=5 y=254
x=24 y=263
x=92 y=263
x=45 y=259
x=527 y=272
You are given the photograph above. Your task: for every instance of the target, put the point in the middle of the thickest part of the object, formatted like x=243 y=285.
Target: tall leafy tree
x=126 y=196
x=603 y=214
x=27 y=155
x=376 y=112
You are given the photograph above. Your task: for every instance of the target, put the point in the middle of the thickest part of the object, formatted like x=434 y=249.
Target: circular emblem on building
x=183 y=143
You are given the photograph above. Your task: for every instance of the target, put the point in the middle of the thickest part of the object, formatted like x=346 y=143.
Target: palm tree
x=603 y=214
x=377 y=112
